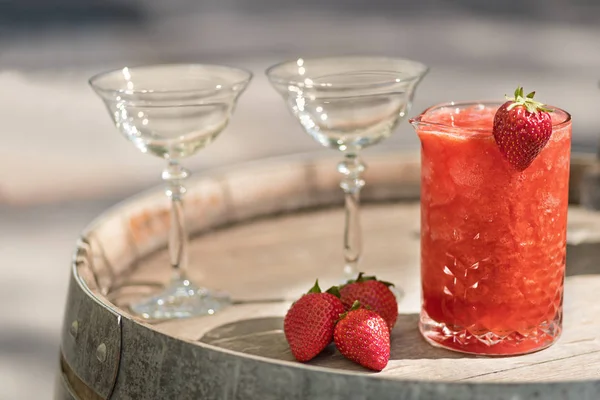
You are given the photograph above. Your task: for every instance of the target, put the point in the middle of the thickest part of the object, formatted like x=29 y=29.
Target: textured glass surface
x=493 y=239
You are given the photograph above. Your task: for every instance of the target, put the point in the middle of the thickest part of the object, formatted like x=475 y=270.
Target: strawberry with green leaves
x=310 y=321
x=373 y=294
x=522 y=128
x=361 y=335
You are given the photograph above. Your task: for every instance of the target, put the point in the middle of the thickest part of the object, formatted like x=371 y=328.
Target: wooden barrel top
x=264 y=232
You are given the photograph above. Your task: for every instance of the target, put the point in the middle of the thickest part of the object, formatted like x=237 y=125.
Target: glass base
x=182 y=299
x=488 y=343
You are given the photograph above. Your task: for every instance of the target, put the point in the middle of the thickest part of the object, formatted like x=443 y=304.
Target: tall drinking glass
x=493 y=239
x=172 y=111
x=348 y=104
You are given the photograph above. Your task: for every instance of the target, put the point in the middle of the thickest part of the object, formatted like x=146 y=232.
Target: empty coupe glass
x=348 y=103
x=172 y=111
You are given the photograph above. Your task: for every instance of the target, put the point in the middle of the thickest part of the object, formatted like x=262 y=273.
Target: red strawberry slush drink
x=493 y=236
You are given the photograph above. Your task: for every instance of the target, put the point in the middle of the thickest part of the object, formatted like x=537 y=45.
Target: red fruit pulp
x=493 y=239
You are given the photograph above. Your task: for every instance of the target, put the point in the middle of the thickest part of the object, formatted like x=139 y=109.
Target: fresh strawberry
x=363 y=336
x=372 y=294
x=522 y=127
x=309 y=323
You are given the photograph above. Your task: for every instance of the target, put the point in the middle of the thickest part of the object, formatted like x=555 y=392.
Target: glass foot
x=182 y=299
x=485 y=342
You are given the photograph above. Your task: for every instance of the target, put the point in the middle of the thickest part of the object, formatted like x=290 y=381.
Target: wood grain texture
x=267 y=246
x=256 y=252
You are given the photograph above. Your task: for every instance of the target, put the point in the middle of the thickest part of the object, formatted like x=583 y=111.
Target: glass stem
x=174 y=175
x=352 y=168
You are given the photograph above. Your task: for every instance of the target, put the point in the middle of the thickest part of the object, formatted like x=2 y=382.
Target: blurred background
x=62 y=162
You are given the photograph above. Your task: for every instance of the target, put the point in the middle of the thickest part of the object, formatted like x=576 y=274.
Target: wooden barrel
x=263 y=232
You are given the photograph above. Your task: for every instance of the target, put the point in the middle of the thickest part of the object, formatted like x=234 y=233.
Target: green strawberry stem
x=527 y=101
x=355 y=306
x=334 y=290
x=315 y=288
x=361 y=278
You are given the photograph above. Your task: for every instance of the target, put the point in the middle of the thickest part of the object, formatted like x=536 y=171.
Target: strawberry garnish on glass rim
x=522 y=128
